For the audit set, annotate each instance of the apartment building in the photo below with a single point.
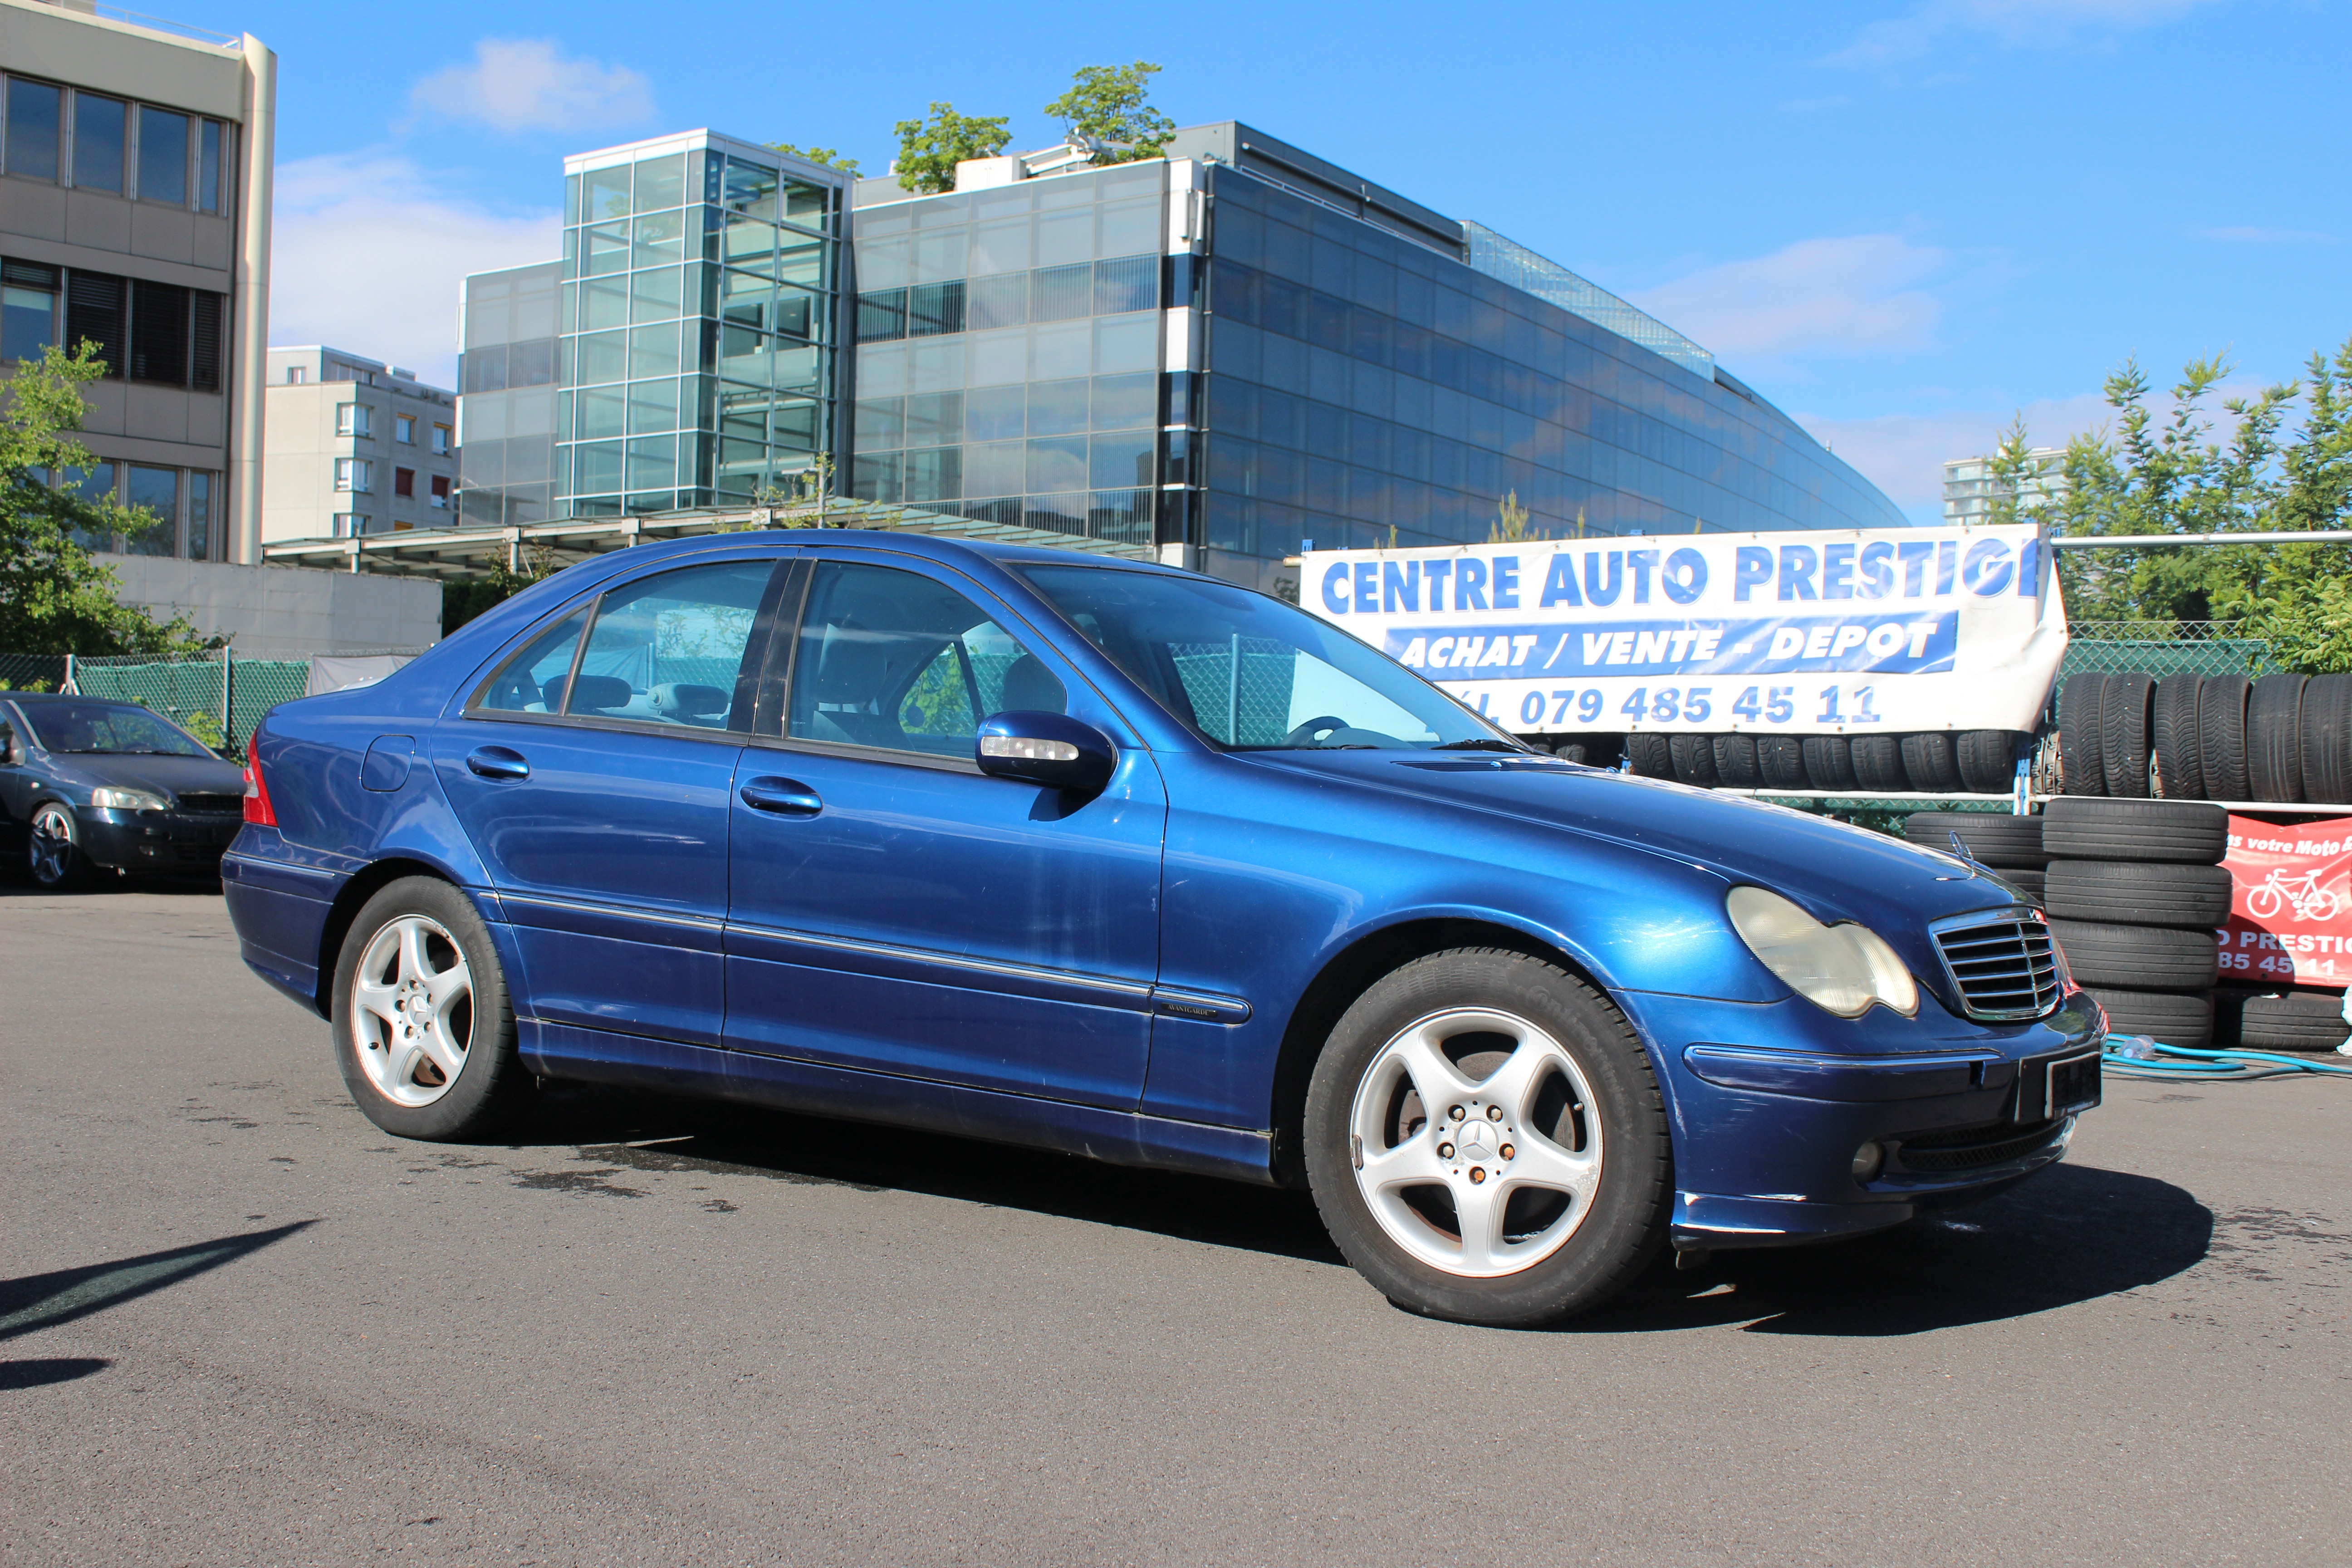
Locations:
(355, 447)
(134, 215)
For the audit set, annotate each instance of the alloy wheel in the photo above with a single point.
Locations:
(51, 845)
(413, 1010)
(1477, 1142)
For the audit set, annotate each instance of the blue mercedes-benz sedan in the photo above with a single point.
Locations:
(1117, 859)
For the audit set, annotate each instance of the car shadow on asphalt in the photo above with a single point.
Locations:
(637, 1129)
(2074, 1233)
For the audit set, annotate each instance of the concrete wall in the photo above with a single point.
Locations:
(274, 612)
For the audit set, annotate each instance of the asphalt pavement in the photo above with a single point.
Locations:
(243, 1326)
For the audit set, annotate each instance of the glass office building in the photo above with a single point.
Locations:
(696, 325)
(506, 395)
(1220, 354)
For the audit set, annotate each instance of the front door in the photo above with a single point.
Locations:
(893, 907)
(593, 773)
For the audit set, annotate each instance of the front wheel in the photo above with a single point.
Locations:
(1486, 1141)
(424, 1031)
(53, 844)
(2265, 902)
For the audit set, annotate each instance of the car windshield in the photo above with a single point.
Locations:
(108, 727)
(1255, 674)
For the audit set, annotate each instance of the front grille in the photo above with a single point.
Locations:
(212, 803)
(2003, 965)
(1973, 1148)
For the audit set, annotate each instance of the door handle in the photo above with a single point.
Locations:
(785, 797)
(497, 763)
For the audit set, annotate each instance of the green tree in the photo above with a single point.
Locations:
(928, 149)
(824, 155)
(461, 601)
(2173, 476)
(54, 598)
(1110, 107)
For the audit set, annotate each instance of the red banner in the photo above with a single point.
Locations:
(2291, 909)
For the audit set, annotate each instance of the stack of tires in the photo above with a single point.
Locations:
(2289, 1018)
(2135, 889)
(2284, 738)
(2010, 846)
(1941, 761)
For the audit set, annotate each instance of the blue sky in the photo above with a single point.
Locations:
(1901, 222)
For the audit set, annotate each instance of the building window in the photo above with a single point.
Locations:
(94, 304)
(159, 332)
(210, 187)
(29, 310)
(162, 156)
(200, 516)
(349, 524)
(205, 341)
(355, 474)
(441, 491)
(403, 429)
(98, 142)
(403, 483)
(155, 493)
(440, 440)
(35, 111)
(353, 419)
(296, 375)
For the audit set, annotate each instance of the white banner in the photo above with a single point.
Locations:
(1845, 632)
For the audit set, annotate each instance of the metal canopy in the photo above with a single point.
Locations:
(458, 554)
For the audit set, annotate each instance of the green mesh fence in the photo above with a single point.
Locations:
(32, 672)
(218, 699)
(2164, 647)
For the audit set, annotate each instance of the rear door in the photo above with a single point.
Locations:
(893, 907)
(592, 773)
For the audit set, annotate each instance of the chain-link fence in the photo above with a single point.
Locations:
(215, 696)
(2164, 647)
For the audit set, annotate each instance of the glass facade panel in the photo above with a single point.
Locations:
(34, 109)
(162, 156)
(100, 127)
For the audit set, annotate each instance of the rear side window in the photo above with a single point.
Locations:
(669, 650)
(532, 682)
(893, 660)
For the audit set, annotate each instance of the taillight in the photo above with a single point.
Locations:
(257, 808)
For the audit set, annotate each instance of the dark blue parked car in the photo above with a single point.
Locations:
(87, 783)
(1121, 860)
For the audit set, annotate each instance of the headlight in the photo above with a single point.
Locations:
(1842, 969)
(109, 798)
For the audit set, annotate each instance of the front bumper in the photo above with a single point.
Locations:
(182, 842)
(1770, 1105)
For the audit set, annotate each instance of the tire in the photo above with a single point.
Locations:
(1781, 760)
(388, 1068)
(1694, 759)
(2274, 738)
(2178, 770)
(1735, 763)
(2184, 897)
(2328, 739)
(2127, 715)
(1931, 762)
(1652, 758)
(2166, 1017)
(1363, 1094)
(2221, 736)
(2031, 886)
(2082, 703)
(2137, 958)
(1878, 763)
(1987, 761)
(2173, 832)
(1994, 837)
(53, 851)
(2291, 1019)
(1829, 762)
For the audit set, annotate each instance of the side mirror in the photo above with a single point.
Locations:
(1051, 748)
(8, 752)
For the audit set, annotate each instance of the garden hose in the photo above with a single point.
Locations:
(2137, 1056)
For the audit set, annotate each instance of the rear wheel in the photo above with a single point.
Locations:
(1486, 1141)
(423, 1031)
(54, 848)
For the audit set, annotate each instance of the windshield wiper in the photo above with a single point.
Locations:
(1480, 744)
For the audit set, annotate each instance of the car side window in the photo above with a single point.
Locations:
(532, 682)
(893, 660)
(668, 649)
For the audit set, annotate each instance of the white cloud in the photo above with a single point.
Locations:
(1860, 293)
(2014, 22)
(527, 84)
(367, 253)
(1904, 454)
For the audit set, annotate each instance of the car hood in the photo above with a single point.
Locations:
(170, 775)
(1836, 871)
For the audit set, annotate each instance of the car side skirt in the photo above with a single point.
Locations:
(1116, 1137)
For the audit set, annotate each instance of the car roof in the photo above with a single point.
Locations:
(36, 697)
